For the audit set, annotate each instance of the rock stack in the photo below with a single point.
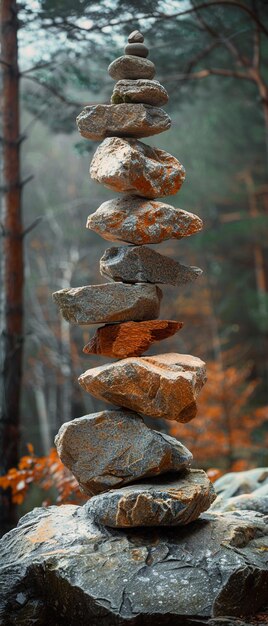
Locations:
(136, 475)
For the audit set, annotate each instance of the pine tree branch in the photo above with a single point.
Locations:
(54, 91)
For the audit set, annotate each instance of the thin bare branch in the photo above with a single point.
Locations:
(163, 16)
(201, 55)
(240, 59)
(256, 49)
(38, 66)
(210, 72)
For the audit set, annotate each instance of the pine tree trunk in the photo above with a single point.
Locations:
(11, 293)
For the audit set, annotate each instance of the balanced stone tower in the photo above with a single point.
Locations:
(135, 476)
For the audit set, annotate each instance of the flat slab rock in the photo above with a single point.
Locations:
(128, 165)
(111, 449)
(130, 338)
(110, 302)
(98, 121)
(165, 386)
(58, 567)
(130, 66)
(145, 91)
(135, 264)
(174, 501)
(139, 221)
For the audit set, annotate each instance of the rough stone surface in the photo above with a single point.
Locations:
(176, 501)
(128, 165)
(130, 338)
(246, 490)
(238, 483)
(58, 567)
(142, 264)
(164, 386)
(126, 120)
(145, 91)
(111, 449)
(110, 302)
(131, 67)
(138, 221)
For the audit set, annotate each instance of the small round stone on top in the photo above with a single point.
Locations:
(136, 46)
(135, 37)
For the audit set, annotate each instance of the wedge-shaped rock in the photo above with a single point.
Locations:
(173, 502)
(128, 165)
(126, 120)
(129, 66)
(145, 91)
(114, 448)
(164, 386)
(138, 221)
(142, 264)
(110, 302)
(130, 338)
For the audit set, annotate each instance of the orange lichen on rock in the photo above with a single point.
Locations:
(163, 386)
(139, 221)
(130, 338)
(128, 165)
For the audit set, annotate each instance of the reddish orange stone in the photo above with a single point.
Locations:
(130, 338)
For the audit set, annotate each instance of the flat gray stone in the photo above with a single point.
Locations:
(133, 264)
(174, 501)
(145, 91)
(57, 567)
(128, 165)
(131, 219)
(164, 386)
(111, 449)
(131, 67)
(110, 302)
(99, 121)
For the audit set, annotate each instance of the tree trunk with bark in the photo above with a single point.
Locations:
(11, 294)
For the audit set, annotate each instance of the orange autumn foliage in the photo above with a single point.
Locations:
(225, 433)
(47, 472)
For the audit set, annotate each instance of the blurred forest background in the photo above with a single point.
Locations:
(212, 57)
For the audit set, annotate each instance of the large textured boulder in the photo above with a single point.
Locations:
(131, 67)
(126, 120)
(128, 165)
(130, 338)
(138, 221)
(171, 502)
(114, 448)
(164, 386)
(110, 302)
(145, 91)
(57, 567)
(139, 264)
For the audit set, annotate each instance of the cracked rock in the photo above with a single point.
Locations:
(135, 264)
(128, 165)
(174, 502)
(138, 221)
(145, 91)
(134, 451)
(72, 571)
(110, 302)
(130, 338)
(126, 120)
(165, 386)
